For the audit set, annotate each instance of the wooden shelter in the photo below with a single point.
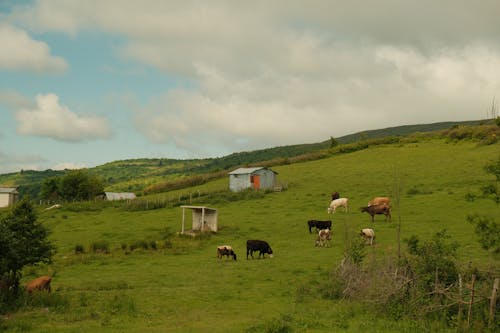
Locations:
(203, 219)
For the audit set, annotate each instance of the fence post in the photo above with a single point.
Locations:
(469, 315)
(459, 315)
(493, 302)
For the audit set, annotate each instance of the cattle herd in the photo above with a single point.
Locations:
(376, 206)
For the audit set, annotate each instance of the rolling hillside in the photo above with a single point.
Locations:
(136, 175)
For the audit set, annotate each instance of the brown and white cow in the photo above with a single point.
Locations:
(41, 283)
(225, 250)
(324, 237)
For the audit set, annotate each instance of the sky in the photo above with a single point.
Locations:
(83, 83)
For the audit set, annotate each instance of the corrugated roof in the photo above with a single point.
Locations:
(8, 190)
(119, 196)
(246, 171)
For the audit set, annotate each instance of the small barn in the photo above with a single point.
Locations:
(203, 219)
(8, 196)
(254, 178)
(113, 196)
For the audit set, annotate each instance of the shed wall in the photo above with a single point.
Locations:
(239, 182)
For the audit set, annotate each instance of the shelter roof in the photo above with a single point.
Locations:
(246, 171)
(199, 207)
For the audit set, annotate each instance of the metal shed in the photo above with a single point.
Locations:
(203, 218)
(8, 196)
(112, 196)
(255, 178)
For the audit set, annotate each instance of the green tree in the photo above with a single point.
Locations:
(80, 185)
(23, 242)
(50, 189)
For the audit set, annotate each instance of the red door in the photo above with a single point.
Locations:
(256, 182)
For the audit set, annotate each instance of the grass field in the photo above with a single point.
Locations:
(184, 288)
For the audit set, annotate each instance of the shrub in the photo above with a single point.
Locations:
(79, 249)
(100, 247)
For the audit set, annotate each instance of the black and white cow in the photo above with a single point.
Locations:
(319, 225)
(258, 245)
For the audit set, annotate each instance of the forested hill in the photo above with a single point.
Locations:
(138, 174)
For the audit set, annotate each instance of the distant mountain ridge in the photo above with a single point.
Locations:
(136, 174)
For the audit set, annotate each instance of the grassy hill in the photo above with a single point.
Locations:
(137, 175)
(178, 285)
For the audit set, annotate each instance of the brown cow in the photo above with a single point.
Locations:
(41, 283)
(378, 209)
(379, 201)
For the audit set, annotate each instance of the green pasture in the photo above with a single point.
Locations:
(184, 288)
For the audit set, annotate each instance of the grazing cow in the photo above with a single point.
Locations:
(324, 237)
(335, 195)
(377, 210)
(341, 202)
(41, 283)
(319, 224)
(368, 234)
(379, 201)
(225, 250)
(259, 245)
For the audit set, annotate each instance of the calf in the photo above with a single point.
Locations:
(341, 202)
(324, 237)
(225, 250)
(335, 195)
(378, 210)
(368, 234)
(259, 245)
(319, 225)
(41, 283)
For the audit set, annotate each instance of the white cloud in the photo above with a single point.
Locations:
(52, 120)
(21, 53)
(271, 73)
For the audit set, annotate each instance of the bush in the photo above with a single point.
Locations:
(100, 247)
(79, 249)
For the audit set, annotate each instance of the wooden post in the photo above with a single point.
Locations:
(493, 302)
(202, 219)
(469, 315)
(459, 315)
(183, 218)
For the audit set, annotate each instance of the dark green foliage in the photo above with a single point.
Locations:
(23, 242)
(436, 255)
(76, 185)
(79, 249)
(79, 185)
(488, 232)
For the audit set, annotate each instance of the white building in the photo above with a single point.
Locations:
(8, 196)
(255, 178)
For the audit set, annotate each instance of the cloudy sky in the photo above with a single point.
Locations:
(83, 83)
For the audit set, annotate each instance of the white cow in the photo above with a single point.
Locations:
(369, 234)
(340, 202)
(324, 237)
